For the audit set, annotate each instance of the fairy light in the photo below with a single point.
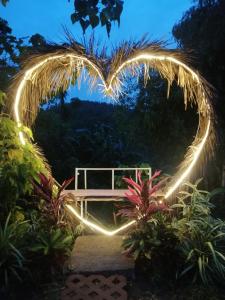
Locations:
(113, 87)
(97, 227)
(28, 75)
(196, 155)
(147, 56)
(108, 88)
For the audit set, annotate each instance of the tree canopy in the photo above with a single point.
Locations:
(95, 12)
(4, 2)
(10, 48)
(202, 30)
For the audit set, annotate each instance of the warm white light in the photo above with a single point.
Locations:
(146, 56)
(29, 74)
(196, 155)
(97, 227)
(21, 137)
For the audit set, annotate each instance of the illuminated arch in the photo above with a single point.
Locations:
(44, 74)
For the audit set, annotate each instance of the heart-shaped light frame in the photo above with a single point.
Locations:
(44, 74)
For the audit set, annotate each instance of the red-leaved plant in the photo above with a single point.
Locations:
(52, 195)
(143, 198)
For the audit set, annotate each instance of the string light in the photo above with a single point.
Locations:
(28, 75)
(196, 155)
(108, 87)
(97, 227)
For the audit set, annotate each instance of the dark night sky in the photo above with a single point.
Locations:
(155, 17)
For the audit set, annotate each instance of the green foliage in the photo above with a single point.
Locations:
(87, 136)
(142, 200)
(203, 248)
(53, 242)
(143, 109)
(4, 2)
(12, 261)
(19, 165)
(194, 203)
(95, 12)
(37, 41)
(10, 48)
(51, 247)
(207, 46)
(149, 240)
(152, 239)
(202, 29)
(2, 100)
(155, 249)
(51, 201)
(13, 50)
(129, 133)
(153, 107)
(31, 253)
(202, 3)
(188, 239)
(201, 236)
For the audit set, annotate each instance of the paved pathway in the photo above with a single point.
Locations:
(98, 253)
(96, 265)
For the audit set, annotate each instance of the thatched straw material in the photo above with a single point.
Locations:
(55, 70)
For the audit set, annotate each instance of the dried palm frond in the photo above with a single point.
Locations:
(70, 63)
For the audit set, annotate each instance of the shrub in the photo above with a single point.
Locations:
(187, 241)
(194, 203)
(156, 239)
(203, 249)
(53, 242)
(12, 260)
(152, 243)
(202, 237)
(143, 200)
(51, 198)
(50, 248)
(19, 164)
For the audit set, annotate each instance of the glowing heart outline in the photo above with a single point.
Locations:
(110, 86)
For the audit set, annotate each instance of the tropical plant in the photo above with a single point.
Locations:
(143, 200)
(192, 204)
(202, 243)
(51, 196)
(203, 249)
(2, 100)
(19, 164)
(53, 243)
(155, 248)
(12, 260)
(143, 241)
(153, 239)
